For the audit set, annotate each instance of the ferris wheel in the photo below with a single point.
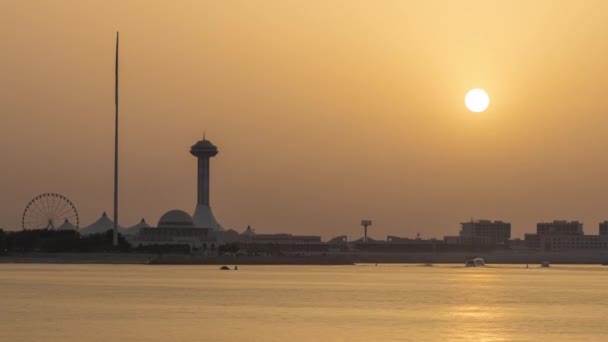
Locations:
(48, 211)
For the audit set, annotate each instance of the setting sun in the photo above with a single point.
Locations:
(477, 100)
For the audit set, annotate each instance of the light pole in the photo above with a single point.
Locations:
(365, 224)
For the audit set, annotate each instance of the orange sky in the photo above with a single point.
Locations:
(324, 112)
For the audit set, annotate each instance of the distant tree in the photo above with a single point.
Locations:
(3, 242)
(60, 241)
(103, 242)
(46, 240)
(41, 240)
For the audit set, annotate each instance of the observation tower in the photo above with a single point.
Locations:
(203, 217)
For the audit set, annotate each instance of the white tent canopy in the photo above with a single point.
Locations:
(66, 225)
(102, 225)
(133, 230)
(248, 233)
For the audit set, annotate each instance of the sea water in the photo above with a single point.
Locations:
(44, 302)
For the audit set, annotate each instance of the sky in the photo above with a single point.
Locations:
(324, 112)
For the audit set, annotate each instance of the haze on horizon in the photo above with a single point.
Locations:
(323, 113)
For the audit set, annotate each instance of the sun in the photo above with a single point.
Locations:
(477, 100)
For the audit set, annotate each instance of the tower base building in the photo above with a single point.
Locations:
(201, 231)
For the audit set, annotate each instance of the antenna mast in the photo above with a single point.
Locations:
(115, 235)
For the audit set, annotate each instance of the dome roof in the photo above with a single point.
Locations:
(203, 147)
(175, 218)
(204, 144)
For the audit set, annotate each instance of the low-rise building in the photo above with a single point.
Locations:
(604, 229)
(532, 241)
(286, 238)
(517, 244)
(275, 244)
(572, 242)
(250, 235)
(404, 240)
(451, 240)
(176, 227)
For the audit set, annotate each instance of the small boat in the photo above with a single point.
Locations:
(477, 262)
(545, 264)
(224, 268)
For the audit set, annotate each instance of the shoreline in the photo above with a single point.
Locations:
(502, 257)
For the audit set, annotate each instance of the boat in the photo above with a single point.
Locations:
(477, 262)
(224, 268)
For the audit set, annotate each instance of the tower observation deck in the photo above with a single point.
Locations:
(203, 217)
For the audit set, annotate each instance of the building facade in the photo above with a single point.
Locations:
(551, 243)
(565, 235)
(485, 232)
(560, 228)
(176, 227)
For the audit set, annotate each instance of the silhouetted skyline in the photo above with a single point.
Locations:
(325, 114)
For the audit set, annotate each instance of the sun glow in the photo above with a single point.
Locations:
(477, 100)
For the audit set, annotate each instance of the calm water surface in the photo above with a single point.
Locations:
(299, 303)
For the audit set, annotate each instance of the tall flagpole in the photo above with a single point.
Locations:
(115, 239)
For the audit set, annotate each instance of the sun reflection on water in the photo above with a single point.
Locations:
(393, 303)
